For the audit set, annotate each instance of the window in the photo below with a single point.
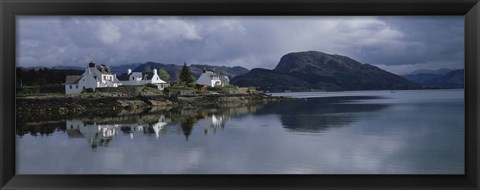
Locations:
(133, 78)
(70, 86)
(76, 86)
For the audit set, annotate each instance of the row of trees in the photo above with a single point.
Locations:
(43, 76)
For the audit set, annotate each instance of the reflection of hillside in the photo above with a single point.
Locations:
(318, 114)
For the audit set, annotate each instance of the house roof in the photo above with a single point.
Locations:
(73, 79)
(104, 69)
(125, 77)
(225, 78)
(149, 75)
(212, 74)
(136, 75)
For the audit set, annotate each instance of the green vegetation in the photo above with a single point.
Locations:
(164, 75)
(186, 76)
(152, 88)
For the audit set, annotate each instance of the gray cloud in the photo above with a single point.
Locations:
(398, 44)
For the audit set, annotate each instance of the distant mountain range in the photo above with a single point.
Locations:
(448, 79)
(174, 70)
(431, 71)
(313, 70)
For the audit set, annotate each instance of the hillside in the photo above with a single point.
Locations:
(452, 79)
(268, 80)
(421, 78)
(320, 71)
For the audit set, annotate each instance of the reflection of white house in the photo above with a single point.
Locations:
(159, 126)
(96, 135)
(93, 77)
(142, 78)
(212, 79)
(218, 121)
(102, 134)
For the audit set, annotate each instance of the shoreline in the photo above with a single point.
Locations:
(89, 105)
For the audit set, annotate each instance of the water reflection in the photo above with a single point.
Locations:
(319, 114)
(100, 131)
(304, 115)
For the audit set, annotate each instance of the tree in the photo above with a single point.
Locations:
(185, 75)
(163, 75)
(187, 126)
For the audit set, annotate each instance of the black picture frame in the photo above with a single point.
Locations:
(9, 9)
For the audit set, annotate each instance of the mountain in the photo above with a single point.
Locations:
(320, 71)
(61, 67)
(451, 79)
(421, 78)
(269, 80)
(123, 68)
(229, 71)
(441, 71)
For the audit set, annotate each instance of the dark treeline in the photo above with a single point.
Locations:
(43, 76)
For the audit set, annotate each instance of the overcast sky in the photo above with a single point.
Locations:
(396, 44)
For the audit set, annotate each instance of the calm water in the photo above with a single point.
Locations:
(365, 132)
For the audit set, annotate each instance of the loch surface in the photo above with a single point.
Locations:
(358, 132)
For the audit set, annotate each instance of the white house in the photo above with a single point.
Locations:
(212, 79)
(142, 78)
(93, 77)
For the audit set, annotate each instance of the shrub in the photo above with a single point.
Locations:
(230, 86)
(216, 88)
(89, 90)
(151, 85)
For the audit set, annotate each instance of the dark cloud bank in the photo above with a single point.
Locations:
(397, 44)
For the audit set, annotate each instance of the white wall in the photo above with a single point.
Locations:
(73, 89)
(205, 80)
(88, 81)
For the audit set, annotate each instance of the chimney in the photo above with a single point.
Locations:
(129, 71)
(204, 70)
(91, 64)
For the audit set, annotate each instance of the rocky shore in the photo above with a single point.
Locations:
(109, 104)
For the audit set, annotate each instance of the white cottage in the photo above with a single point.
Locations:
(93, 77)
(212, 79)
(142, 78)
